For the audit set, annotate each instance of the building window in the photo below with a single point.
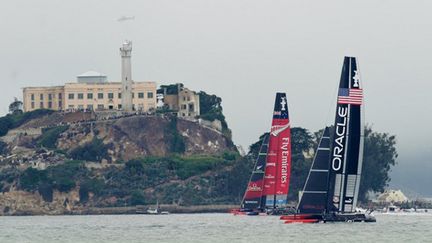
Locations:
(90, 96)
(110, 95)
(80, 107)
(100, 96)
(32, 96)
(49, 105)
(141, 95)
(100, 107)
(80, 96)
(41, 96)
(133, 95)
(150, 95)
(119, 95)
(60, 105)
(32, 105)
(49, 96)
(90, 107)
(71, 106)
(41, 105)
(191, 107)
(71, 96)
(60, 96)
(183, 107)
(119, 106)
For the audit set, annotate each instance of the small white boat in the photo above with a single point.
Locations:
(156, 210)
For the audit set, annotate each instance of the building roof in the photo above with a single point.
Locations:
(92, 74)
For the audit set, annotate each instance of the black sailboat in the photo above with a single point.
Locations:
(314, 195)
(331, 190)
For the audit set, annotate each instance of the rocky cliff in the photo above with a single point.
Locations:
(68, 162)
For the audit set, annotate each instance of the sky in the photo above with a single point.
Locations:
(243, 51)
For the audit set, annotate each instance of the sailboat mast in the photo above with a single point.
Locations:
(345, 160)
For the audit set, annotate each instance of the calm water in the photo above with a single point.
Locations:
(209, 228)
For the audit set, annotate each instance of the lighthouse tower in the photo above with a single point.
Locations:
(126, 93)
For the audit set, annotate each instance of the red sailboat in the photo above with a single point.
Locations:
(267, 190)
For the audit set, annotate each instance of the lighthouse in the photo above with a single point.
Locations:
(126, 93)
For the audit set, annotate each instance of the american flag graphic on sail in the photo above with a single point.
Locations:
(350, 96)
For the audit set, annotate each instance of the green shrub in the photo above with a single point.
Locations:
(135, 166)
(49, 136)
(32, 178)
(46, 191)
(90, 185)
(64, 184)
(137, 198)
(230, 156)
(96, 150)
(61, 177)
(3, 148)
(12, 121)
(175, 140)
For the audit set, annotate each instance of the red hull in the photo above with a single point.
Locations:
(298, 216)
(303, 221)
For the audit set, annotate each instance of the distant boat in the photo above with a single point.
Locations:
(156, 210)
(267, 190)
(331, 190)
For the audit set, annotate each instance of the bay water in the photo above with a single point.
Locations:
(226, 228)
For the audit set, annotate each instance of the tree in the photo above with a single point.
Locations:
(211, 109)
(379, 156)
(15, 107)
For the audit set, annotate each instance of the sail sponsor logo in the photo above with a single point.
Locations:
(340, 135)
(277, 129)
(285, 154)
(283, 103)
(254, 188)
(348, 200)
(356, 79)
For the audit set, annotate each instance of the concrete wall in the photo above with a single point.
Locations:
(43, 97)
(103, 96)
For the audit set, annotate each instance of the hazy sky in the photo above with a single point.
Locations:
(242, 50)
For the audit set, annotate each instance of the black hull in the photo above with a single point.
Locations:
(329, 218)
(348, 217)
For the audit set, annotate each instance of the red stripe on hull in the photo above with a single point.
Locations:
(303, 221)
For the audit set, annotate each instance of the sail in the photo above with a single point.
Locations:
(253, 198)
(314, 195)
(347, 145)
(278, 166)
